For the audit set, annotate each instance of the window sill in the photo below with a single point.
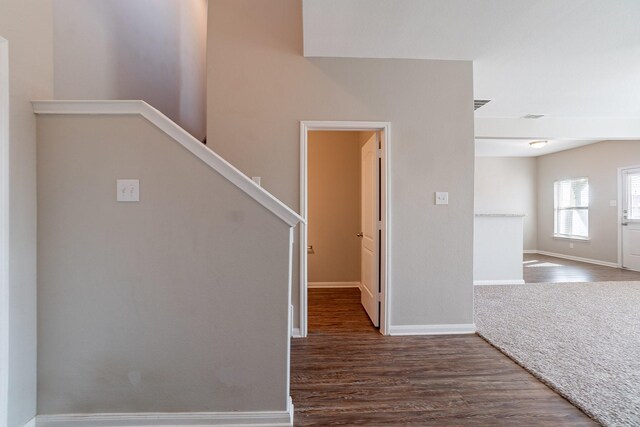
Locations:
(580, 239)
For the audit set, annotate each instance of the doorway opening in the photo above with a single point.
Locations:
(4, 229)
(629, 218)
(344, 197)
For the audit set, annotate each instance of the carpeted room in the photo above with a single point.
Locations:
(581, 339)
(575, 323)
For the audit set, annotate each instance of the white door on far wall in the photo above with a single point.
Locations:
(631, 219)
(370, 235)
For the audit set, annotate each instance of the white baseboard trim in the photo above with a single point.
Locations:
(530, 251)
(31, 423)
(469, 328)
(311, 285)
(187, 419)
(497, 282)
(295, 333)
(580, 259)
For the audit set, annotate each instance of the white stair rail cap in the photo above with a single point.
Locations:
(213, 160)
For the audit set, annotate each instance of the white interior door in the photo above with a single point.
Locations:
(631, 219)
(370, 235)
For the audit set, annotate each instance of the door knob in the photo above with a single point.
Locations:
(360, 234)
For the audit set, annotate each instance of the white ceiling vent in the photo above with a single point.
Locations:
(477, 103)
(533, 116)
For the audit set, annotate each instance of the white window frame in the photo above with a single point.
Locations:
(556, 210)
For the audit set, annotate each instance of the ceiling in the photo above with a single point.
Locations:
(520, 147)
(563, 59)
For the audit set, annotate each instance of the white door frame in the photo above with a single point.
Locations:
(385, 256)
(4, 231)
(621, 171)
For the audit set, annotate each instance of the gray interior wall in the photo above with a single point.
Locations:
(509, 185)
(599, 162)
(154, 50)
(27, 26)
(259, 89)
(178, 303)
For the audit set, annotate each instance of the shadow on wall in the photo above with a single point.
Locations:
(146, 52)
(154, 50)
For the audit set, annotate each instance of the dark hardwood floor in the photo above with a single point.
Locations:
(346, 373)
(546, 269)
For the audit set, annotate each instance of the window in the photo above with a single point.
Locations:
(633, 196)
(571, 208)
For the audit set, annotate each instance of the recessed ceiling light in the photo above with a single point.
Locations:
(538, 144)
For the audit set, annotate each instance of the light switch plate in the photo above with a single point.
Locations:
(442, 198)
(128, 190)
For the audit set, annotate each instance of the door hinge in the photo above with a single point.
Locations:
(379, 153)
(379, 296)
(379, 225)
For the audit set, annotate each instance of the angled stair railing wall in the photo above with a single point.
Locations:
(161, 121)
(174, 306)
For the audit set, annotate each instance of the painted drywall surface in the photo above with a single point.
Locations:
(4, 230)
(509, 185)
(259, 89)
(154, 50)
(599, 162)
(26, 24)
(334, 206)
(178, 303)
(193, 62)
(497, 243)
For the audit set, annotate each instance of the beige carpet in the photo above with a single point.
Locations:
(582, 339)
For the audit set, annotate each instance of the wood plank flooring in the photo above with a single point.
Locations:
(346, 373)
(546, 269)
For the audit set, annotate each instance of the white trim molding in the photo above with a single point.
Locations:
(31, 423)
(530, 251)
(619, 218)
(385, 253)
(4, 231)
(580, 259)
(312, 285)
(178, 419)
(295, 333)
(213, 160)
(454, 329)
(498, 282)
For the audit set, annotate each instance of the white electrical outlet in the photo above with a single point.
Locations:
(442, 198)
(571, 245)
(128, 190)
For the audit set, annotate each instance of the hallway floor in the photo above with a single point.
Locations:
(346, 373)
